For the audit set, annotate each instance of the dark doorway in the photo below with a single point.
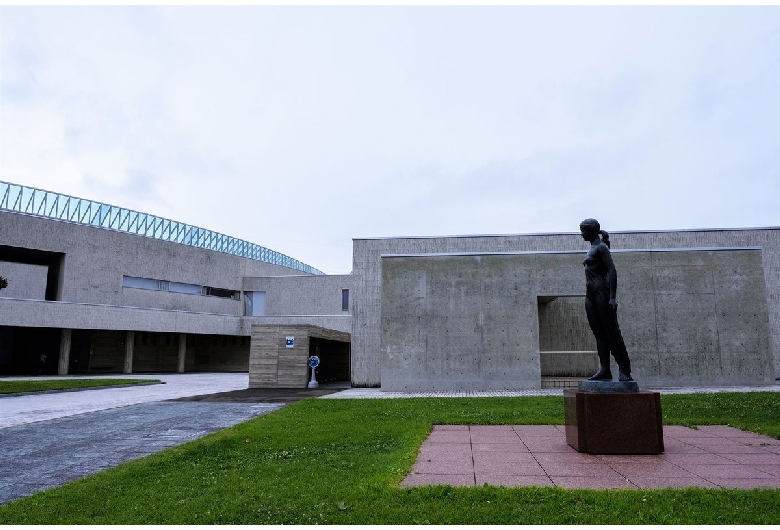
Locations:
(29, 351)
(334, 360)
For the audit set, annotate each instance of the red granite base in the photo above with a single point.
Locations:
(621, 423)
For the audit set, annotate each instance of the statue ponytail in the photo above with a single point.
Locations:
(605, 237)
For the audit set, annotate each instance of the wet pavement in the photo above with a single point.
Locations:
(51, 438)
(41, 455)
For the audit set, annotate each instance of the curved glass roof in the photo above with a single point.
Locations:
(42, 203)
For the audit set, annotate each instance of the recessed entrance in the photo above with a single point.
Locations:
(567, 348)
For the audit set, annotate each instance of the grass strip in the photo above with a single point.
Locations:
(340, 462)
(41, 385)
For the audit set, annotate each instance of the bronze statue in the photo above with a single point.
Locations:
(601, 303)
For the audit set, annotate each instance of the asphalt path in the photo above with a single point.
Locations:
(49, 439)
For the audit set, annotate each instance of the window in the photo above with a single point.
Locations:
(345, 299)
(254, 303)
(178, 287)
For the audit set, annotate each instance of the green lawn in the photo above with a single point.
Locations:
(39, 385)
(340, 462)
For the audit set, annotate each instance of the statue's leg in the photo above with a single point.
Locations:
(602, 342)
(616, 344)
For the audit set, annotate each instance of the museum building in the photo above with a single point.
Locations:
(94, 288)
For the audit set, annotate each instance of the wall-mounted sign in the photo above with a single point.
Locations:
(289, 342)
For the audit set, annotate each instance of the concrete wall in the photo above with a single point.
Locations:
(367, 272)
(302, 295)
(470, 322)
(97, 258)
(41, 314)
(24, 280)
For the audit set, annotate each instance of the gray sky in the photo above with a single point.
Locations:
(299, 128)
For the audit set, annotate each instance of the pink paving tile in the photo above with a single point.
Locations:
(631, 459)
(445, 460)
(491, 428)
(501, 448)
(673, 430)
(772, 469)
(437, 450)
(444, 467)
(754, 459)
(495, 456)
(495, 439)
(727, 449)
(706, 458)
(427, 479)
(537, 430)
(672, 482)
(569, 469)
(726, 471)
(681, 448)
(701, 441)
(547, 444)
(573, 456)
(447, 437)
(437, 428)
(508, 468)
(720, 430)
(649, 469)
(513, 480)
(611, 482)
(743, 483)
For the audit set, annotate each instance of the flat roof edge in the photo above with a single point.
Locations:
(532, 252)
(543, 234)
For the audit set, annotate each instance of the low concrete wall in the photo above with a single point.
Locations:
(471, 322)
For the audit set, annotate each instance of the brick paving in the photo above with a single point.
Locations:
(537, 455)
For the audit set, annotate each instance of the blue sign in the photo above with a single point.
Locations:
(314, 361)
(289, 342)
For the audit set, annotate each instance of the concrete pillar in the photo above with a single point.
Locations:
(65, 340)
(129, 347)
(182, 352)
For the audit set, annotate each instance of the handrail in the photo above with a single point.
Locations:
(42, 203)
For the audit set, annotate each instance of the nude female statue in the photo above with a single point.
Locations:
(601, 303)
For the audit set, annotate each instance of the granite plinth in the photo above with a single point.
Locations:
(613, 423)
(608, 386)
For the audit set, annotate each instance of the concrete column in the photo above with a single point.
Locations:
(129, 347)
(182, 352)
(62, 368)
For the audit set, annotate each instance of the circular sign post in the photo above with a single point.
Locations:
(314, 362)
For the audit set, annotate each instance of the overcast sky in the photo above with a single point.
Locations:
(299, 128)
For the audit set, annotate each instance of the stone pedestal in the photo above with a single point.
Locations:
(614, 423)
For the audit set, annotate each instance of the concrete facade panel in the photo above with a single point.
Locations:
(297, 295)
(466, 322)
(367, 269)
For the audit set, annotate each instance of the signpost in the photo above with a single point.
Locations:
(314, 362)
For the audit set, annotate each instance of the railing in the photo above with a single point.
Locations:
(33, 201)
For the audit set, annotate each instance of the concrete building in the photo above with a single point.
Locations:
(100, 289)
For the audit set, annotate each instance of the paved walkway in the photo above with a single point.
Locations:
(30, 408)
(49, 439)
(537, 455)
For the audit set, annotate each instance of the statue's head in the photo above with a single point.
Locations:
(589, 226)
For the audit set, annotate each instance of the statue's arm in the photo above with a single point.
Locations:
(606, 258)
